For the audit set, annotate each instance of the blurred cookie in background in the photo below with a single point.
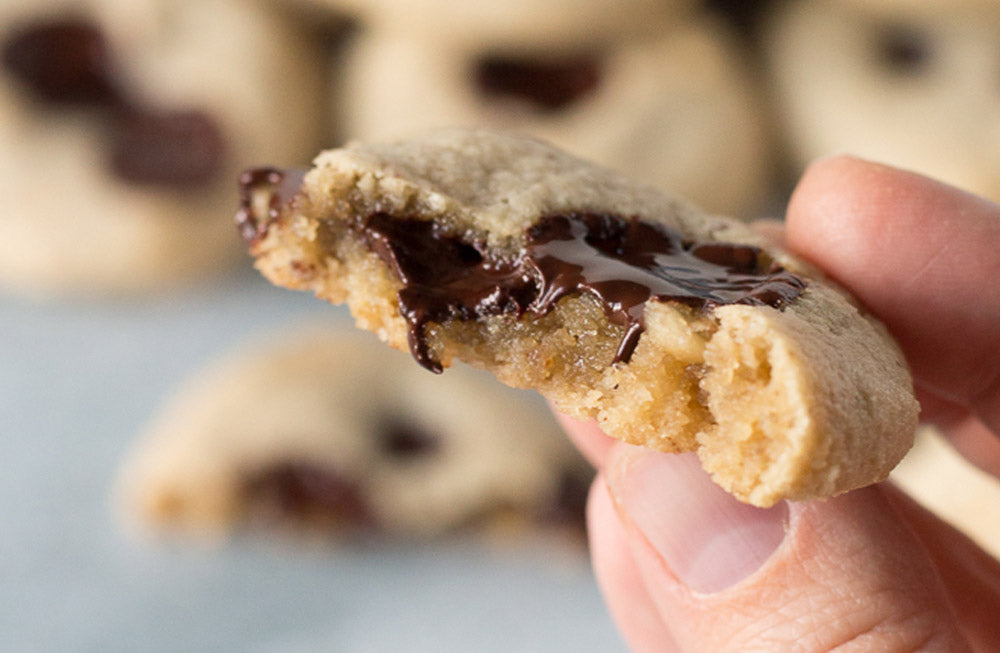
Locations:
(323, 430)
(124, 126)
(672, 106)
(910, 83)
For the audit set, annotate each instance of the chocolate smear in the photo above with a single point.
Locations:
(621, 262)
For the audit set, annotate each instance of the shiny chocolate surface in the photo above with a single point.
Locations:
(622, 262)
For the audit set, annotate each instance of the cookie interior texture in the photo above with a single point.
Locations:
(807, 400)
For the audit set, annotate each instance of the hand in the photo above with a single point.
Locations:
(685, 567)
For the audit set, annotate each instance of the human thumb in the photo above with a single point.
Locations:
(724, 576)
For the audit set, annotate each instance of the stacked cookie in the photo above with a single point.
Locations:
(907, 82)
(658, 90)
(124, 125)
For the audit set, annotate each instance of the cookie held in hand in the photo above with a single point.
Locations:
(674, 329)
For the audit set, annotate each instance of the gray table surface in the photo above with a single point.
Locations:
(78, 380)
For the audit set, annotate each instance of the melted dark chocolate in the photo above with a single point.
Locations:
(300, 489)
(444, 277)
(548, 85)
(68, 62)
(283, 186)
(621, 262)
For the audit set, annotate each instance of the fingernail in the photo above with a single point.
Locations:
(708, 539)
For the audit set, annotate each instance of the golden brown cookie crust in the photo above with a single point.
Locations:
(808, 401)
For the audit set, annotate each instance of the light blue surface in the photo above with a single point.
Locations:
(78, 380)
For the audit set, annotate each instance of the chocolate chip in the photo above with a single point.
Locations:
(302, 490)
(179, 148)
(62, 62)
(549, 85)
(403, 440)
(903, 50)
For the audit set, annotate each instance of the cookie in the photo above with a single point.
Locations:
(520, 24)
(909, 83)
(674, 329)
(320, 429)
(675, 109)
(123, 125)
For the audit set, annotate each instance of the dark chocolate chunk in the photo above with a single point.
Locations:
(283, 185)
(181, 148)
(62, 62)
(548, 85)
(404, 440)
(903, 50)
(444, 277)
(301, 490)
(622, 262)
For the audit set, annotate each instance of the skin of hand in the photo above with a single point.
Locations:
(685, 567)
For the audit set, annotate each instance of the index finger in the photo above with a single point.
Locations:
(922, 256)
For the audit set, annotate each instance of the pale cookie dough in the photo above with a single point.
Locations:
(907, 82)
(807, 400)
(677, 109)
(322, 429)
(123, 125)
